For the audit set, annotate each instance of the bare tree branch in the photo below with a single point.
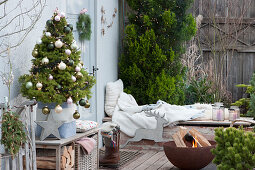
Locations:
(17, 21)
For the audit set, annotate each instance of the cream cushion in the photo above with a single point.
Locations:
(113, 90)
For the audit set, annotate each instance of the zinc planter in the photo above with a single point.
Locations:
(68, 129)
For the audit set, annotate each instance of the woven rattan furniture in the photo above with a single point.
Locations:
(84, 161)
(58, 144)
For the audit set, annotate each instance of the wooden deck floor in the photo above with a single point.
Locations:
(152, 160)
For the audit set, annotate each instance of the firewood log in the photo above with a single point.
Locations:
(183, 131)
(201, 139)
(178, 140)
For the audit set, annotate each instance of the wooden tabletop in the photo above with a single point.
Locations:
(243, 121)
(54, 141)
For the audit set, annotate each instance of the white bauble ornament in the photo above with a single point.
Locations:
(39, 41)
(58, 109)
(77, 69)
(29, 85)
(58, 43)
(79, 65)
(48, 34)
(45, 60)
(39, 86)
(68, 52)
(69, 100)
(62, 14)
(74, 46)
(62, 66)
(57, 18)
(50, 77)
(74, 79)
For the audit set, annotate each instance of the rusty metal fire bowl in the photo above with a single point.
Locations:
(188, 157)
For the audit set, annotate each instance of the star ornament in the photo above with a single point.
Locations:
(49, 127)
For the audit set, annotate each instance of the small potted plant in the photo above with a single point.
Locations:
(235, 149)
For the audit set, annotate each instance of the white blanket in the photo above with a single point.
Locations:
(129, 116)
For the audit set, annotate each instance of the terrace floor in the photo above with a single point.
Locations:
(150, 160)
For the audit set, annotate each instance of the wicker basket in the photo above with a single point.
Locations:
(84, 161)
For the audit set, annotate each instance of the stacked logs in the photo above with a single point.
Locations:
(46, 158)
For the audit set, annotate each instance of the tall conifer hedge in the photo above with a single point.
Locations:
(150, 65)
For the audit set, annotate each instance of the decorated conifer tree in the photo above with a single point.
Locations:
(57, 74)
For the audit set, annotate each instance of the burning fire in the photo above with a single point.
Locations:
(194, 142)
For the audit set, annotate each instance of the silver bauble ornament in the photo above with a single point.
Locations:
(62, 14)
(50, 77)
(39, 86)
(62, 66)
(77, 69)
(57, 18)
(68, 52)
(48, 34)
(79, 65)
(45, 60)
(39, 41)
(69, 100)
(58, 109)
(29, 85)
(58, 43)
(74, 46)
(79, 75)
(74, 79)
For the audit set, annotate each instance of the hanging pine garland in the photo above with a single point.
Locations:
(13, 135)
(83, 26)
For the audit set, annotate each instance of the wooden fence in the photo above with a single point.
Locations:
(227, 35)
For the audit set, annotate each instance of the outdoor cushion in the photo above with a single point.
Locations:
(85, 125)
(113, 90)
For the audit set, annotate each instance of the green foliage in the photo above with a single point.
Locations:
(235, 149)
(251, 111)
(150, 65)
(244, 103)
(61, 86)
(83, 26)
(198, 91)
(13, 135)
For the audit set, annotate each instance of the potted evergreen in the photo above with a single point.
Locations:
(57, 78)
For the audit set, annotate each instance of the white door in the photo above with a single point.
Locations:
(88, 50)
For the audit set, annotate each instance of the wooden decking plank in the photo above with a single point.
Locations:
(159, 163)
(139, 160)
(168, 165)
(150, 161)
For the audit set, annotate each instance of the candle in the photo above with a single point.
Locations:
(218, 113)
(233, 115)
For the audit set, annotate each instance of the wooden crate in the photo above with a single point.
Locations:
(46, 158)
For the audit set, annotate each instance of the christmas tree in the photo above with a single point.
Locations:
(150, 65)
(57, 74)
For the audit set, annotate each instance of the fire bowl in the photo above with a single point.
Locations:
(189, 158)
